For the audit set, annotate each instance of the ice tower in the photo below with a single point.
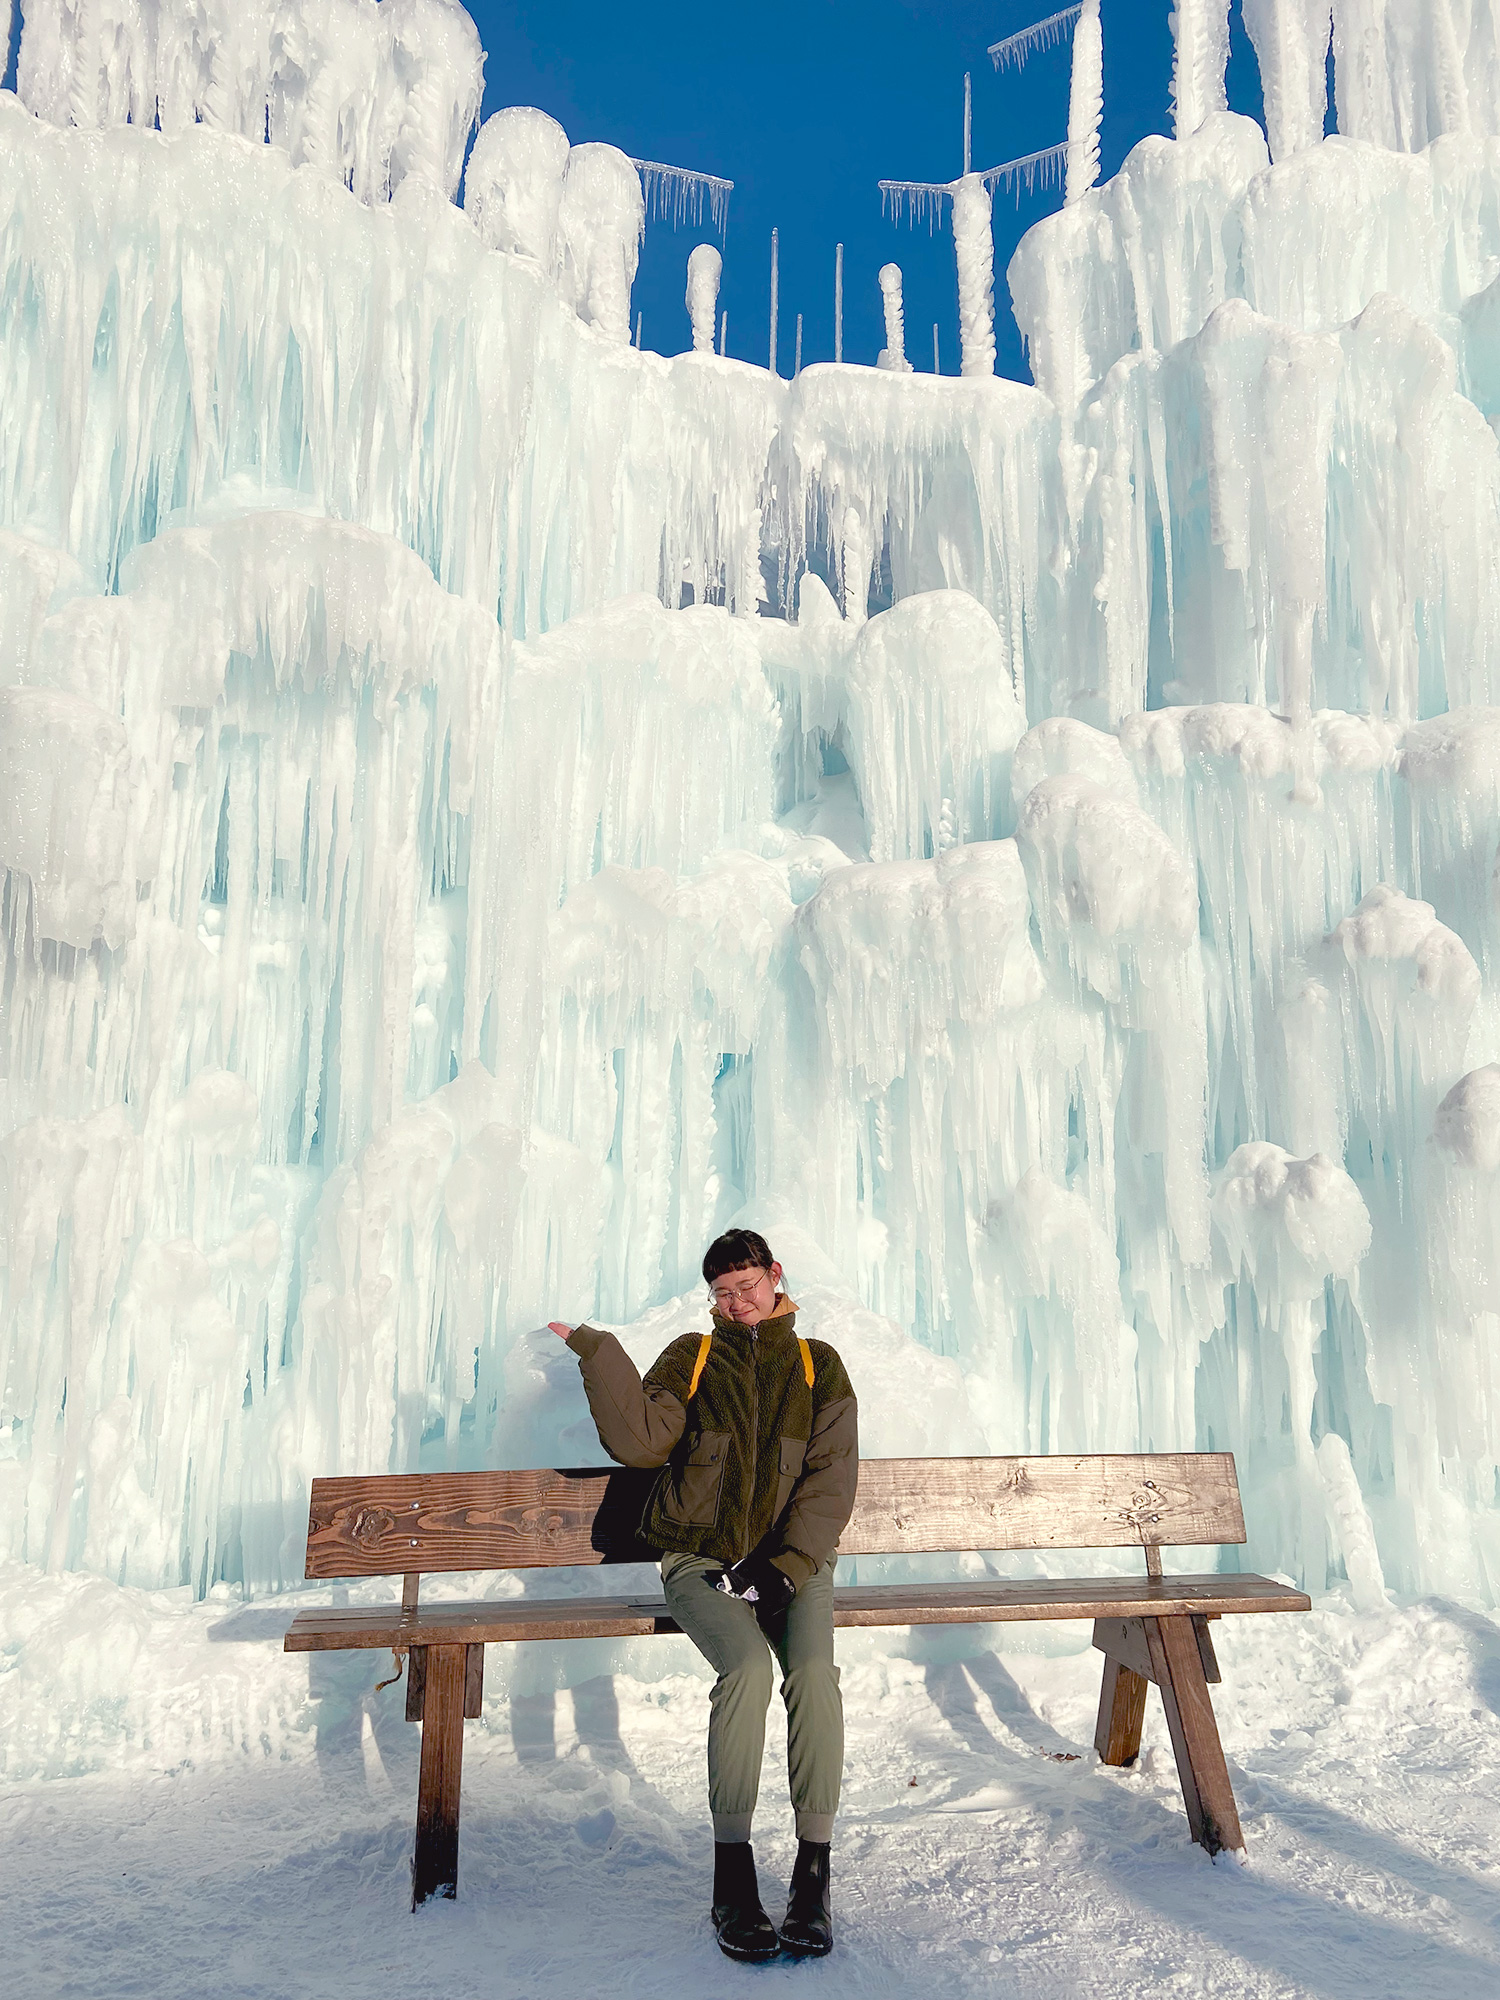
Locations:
(466, 836)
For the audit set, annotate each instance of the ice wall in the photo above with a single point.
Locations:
(482, 807)
(373, 89)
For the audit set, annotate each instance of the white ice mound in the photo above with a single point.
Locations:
(513, 182)
(933, 716)
(1062, 746)
(898, 950)
(1467, 1125)
(1108, 884)
(1390, 934)
(1289, 1223)
(601, 219)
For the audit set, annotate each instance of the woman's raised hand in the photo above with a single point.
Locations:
(556, 1326)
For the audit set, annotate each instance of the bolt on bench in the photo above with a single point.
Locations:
(1150, 1629)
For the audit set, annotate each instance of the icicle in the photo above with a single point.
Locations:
(1085, 103)
(1033, 170)
(797, 354)
(678, 193)
(1040, 35)
(922, 200)
(855, 565)
(1200, 30)
(893, 355)
(705, 267)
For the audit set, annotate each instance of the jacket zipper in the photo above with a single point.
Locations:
(754, 1432)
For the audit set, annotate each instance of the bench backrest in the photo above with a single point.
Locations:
(406, 1524)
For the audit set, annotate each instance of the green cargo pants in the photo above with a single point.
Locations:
(726, 1633)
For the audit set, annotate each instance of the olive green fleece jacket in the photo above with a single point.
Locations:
(754, 1460)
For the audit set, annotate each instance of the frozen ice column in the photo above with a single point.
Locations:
(513, 187)
(893, 354)
(1291, 44)
(1085, 103)
(974, 246)
(704, 268)
(1201, 31)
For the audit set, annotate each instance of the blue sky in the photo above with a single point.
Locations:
(805, 105)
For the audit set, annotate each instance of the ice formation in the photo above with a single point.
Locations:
(1085, 103)
(893, 354)
(482, 806)
(705, 266)
(375, 89)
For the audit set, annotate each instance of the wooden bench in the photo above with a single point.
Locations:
(1152, 1628)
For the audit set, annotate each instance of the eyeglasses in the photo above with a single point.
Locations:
(725, 1296)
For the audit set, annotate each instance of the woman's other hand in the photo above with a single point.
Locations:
(556, 1326)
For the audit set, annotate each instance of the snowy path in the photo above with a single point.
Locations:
(226, 1832)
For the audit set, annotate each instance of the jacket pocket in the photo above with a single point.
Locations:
(695, 1487)
(793, 1455)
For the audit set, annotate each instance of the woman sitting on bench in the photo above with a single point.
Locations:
(755, 1428)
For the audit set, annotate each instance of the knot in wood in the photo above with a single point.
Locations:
(1142, 1511)
(371, 1524)
(543, 1524)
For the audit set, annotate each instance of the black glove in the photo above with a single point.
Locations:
(759, 1582)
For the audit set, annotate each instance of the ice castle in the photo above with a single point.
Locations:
(483, 806)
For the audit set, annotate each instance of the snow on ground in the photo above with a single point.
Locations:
(186, 1812)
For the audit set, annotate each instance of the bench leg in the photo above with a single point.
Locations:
(1177, 1665)
(434, 1869)
(1122, 1710)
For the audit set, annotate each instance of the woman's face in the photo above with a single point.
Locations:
(746, 1296)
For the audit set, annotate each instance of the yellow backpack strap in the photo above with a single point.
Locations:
(807, 1365)
(705, 1341)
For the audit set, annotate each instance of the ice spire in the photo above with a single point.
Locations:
(1200, 29)
(1085, 103)
(893, 355)
(705, 266)
(775, 296)
(1291, 45)
(974, 247)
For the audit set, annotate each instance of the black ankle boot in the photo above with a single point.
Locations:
(808, 1926)
(744, 1930)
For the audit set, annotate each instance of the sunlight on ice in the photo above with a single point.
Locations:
(482, 807)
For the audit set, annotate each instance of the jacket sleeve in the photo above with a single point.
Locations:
(823, 1498)
(638, 1422)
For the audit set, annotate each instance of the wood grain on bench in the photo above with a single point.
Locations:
(425, 1523)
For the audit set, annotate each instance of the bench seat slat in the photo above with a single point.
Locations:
(410, 1523)
(487, 1621)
